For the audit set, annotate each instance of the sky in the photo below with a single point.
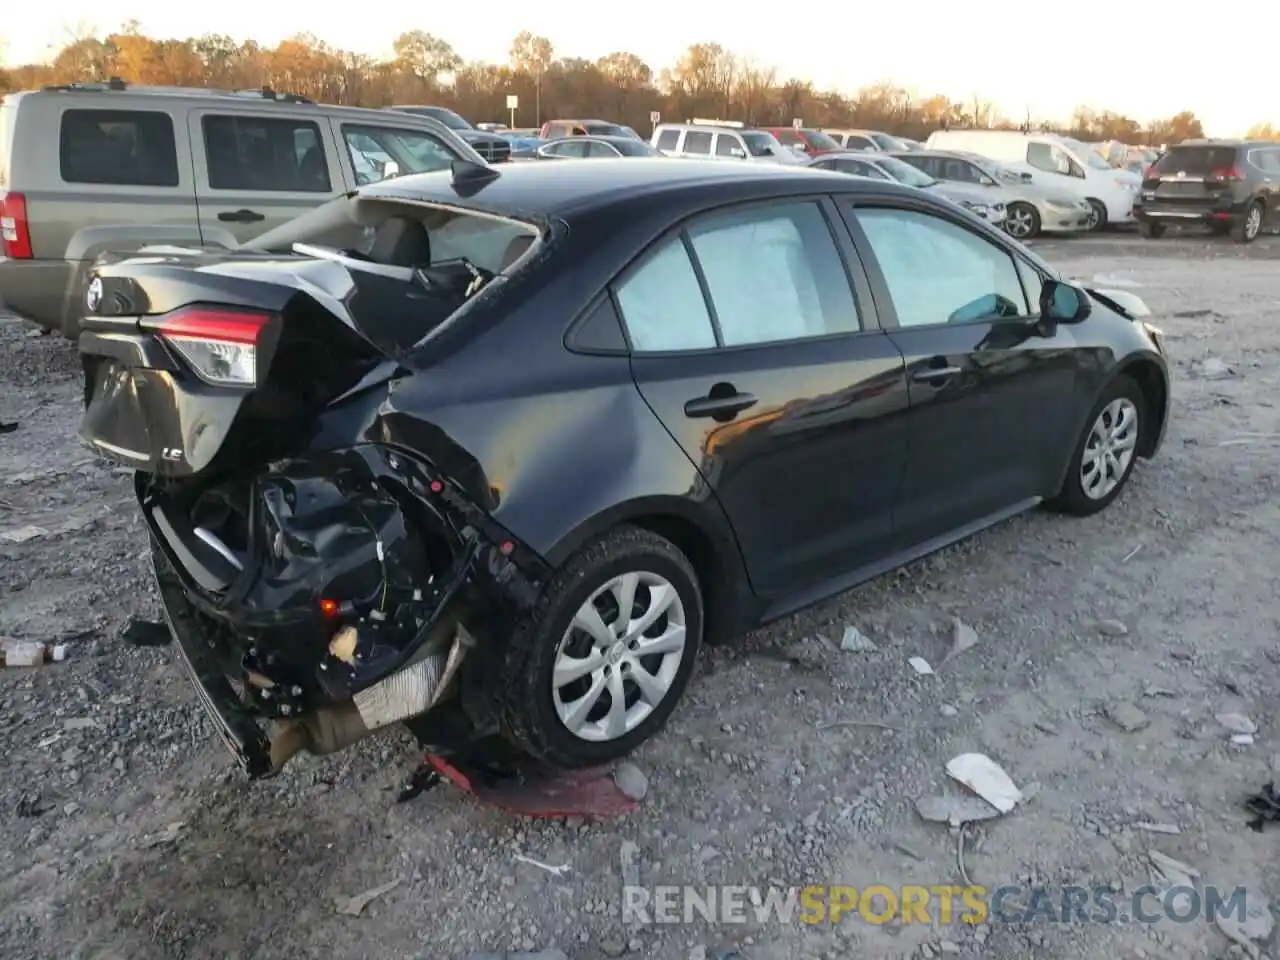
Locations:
(1044, 57)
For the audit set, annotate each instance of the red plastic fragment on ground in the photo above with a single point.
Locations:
(536, 791)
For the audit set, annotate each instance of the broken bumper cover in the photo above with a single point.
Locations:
(331, 586)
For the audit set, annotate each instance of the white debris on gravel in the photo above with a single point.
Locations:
(987, 779)
(855, 641)
(921, 666)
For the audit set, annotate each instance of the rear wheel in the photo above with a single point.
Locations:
(1248, 227)
(1022, 221)
(1097, 215)
(1106, 451)
(602, 661)
(1153, 231)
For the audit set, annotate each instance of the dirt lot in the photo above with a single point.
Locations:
(150, 846)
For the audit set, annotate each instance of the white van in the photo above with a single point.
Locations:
(1054, 161)
(721, 140)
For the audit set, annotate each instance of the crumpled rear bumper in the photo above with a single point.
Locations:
(331, 596)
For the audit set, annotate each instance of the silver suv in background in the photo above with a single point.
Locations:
(91, 168)
(1030, 209)
(721, 140)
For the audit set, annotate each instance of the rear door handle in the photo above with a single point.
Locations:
(241, 216)
(932, 374)
(721, 407)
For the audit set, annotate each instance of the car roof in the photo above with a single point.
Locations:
(100, 96)
(605, 138)
(850, 155)
(545, 190)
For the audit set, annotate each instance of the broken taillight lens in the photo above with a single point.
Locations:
(221, 346)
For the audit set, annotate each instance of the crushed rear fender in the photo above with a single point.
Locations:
(333, 579)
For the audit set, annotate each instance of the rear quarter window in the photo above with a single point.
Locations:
(134, 148)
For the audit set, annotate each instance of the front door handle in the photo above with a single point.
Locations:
(241, 216)
(933, 374)
(719, 406)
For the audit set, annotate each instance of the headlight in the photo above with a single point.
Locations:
(979, 208)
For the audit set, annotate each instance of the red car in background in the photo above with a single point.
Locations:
(812, 142)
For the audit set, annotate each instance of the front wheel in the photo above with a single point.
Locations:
(1022, 221)
(1097, 215)
(1105, 453)
(599, 665)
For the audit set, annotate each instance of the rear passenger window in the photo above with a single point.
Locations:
(668, 139)
(695, 141)
(267, 154)
(774, 273)
(128, 148)
(662, 304)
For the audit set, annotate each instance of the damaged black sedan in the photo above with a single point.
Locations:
(493, 452)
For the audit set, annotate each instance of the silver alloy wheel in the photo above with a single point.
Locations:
(1018, 222)
(1253, 222)
(1095, 216)
(619, 657)
(1109, 450)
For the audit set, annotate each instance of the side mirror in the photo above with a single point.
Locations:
(1063, 302)
(390, 169)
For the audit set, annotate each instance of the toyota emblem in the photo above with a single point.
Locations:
(93, 297)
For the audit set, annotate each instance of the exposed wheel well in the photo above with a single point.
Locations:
(1147, 375)
(722, 617)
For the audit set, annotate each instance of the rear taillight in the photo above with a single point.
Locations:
(220, 345)
(15, 233)
(1226, 174)
(1151, 173)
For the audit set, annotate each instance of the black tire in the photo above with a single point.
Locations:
(1247, 228)
(1072, 498)
(1033, 219)
(1100, 215)
(1152, 231)
(530, 712)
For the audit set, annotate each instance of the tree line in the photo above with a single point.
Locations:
(707, 81)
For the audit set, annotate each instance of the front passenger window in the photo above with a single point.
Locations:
(969, 278)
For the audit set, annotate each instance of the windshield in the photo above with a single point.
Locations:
(605, 129)
(636, 148)
(904, 172)
(450, 119)
(886, 142)
(820, 140)
(628, 132)
(759, 144)
(994, 170)
(1091, 156)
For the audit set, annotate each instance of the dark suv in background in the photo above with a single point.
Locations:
(492, 147)
(1230, 186)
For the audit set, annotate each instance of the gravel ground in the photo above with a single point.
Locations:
(148, 845)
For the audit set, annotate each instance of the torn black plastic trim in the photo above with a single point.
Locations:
(367, 538)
